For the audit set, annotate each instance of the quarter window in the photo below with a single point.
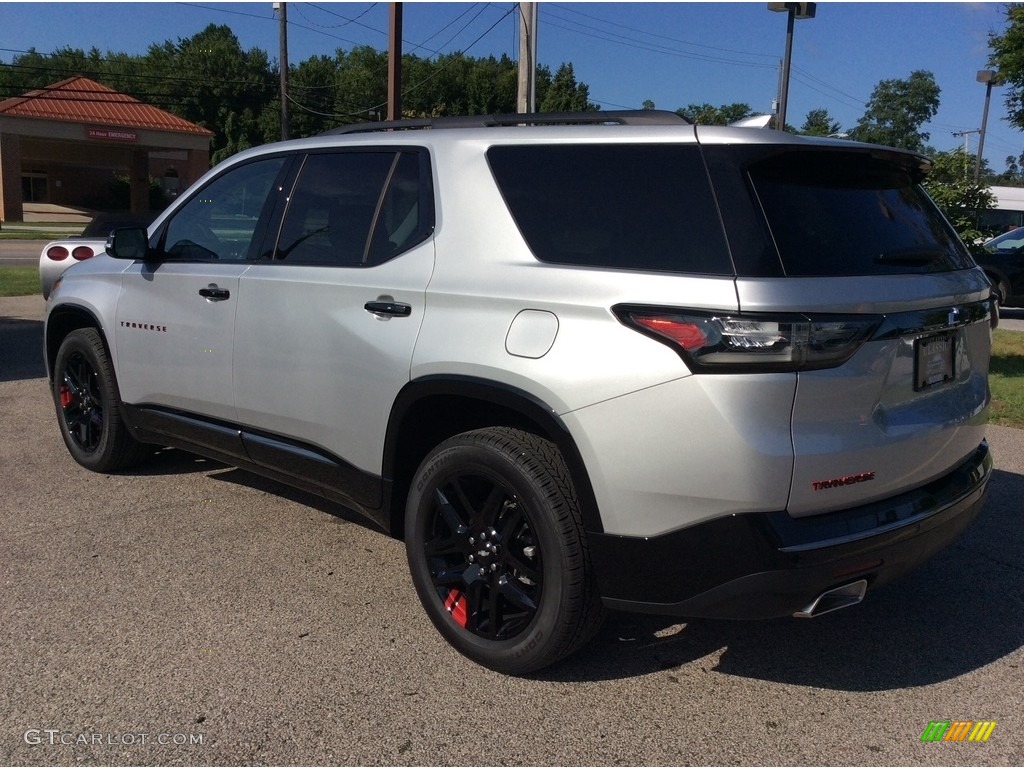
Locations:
(640, 207)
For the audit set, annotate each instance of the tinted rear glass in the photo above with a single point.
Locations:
(642, 207)
(852, 213)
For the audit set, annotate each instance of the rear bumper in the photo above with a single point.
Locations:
(766, 565)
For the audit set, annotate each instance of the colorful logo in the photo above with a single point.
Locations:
(958, 730)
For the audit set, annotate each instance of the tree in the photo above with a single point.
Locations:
(1007, 56)
(1013, 176)
(951, 185)
(565, 94)
(706, 114)
(819, 123)
(897, 110)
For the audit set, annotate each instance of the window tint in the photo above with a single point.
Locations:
(219, 222)
(644, 207)
(852, 213)
(352, 208)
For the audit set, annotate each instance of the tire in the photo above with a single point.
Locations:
(1002, 290)
(89, 407)
(497, 550)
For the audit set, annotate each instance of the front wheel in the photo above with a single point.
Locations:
(497, 550)
(89, 407)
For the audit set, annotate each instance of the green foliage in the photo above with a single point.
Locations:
(1007, 56)
(706, 114)
(1013, 176)
(819, 123)
(897, 110)
(210, 80)
(951, 185)
(565, 94)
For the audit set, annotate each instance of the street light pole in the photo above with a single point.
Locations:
(794, 11)
(988, 77)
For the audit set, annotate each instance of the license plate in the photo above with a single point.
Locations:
(934, 356)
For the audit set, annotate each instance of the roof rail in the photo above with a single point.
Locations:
(613, 117)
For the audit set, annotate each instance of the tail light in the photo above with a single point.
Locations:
(82, 252)
(57, 253)
(739, 343)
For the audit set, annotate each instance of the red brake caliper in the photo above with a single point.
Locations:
(65, 396)
(455, 604)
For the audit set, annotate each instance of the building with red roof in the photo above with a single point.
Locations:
(66, 143)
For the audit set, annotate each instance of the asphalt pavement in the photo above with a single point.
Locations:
(20, 253)
(190, 613)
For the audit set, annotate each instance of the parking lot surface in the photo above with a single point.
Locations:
(190, 613)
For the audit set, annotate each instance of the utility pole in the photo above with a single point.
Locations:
(527, 91)
(989, 78)
(285, 130)
(967, 148)
(395, 62)
(793, 12)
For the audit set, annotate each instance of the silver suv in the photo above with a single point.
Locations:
(577, 362)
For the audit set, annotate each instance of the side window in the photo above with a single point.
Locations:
(620, 206)
(218, 223)
(352, 209)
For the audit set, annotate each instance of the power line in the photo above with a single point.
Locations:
(655, 48)
(570, 9)
(413, 87)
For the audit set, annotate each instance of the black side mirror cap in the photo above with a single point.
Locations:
(130, 243)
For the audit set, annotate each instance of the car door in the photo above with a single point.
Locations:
(325, 330)
(176, 310)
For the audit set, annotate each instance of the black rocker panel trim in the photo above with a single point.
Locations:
(288, 461)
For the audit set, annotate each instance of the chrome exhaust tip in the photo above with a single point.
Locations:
(834, 599)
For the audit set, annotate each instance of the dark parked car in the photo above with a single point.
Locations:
(1003, 262)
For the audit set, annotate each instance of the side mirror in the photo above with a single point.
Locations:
(129, 243)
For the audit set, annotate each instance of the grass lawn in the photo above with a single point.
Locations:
(1006, 378)
(19, 281)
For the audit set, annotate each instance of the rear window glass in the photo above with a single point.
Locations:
(849, 213)
(640, 207)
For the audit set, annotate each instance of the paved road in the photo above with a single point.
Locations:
(20, 253)
(189, 601)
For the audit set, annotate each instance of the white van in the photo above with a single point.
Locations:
(1006, 214)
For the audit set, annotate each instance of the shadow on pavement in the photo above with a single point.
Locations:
(21, 349)
(962, 610)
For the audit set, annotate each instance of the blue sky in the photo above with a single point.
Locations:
(671, 53)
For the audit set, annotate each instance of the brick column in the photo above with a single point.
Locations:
(139, 175)
(10, 178)
(197, 164)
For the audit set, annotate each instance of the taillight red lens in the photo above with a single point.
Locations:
(57, 253)
(735, 343)
(82, 252)
(687, 335)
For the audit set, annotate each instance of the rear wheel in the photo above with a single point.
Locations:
(89, 407)
(497, 550)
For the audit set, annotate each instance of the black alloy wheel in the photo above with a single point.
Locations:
(485, 564)
(497, 551)
(82, 402)
(89, 406)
